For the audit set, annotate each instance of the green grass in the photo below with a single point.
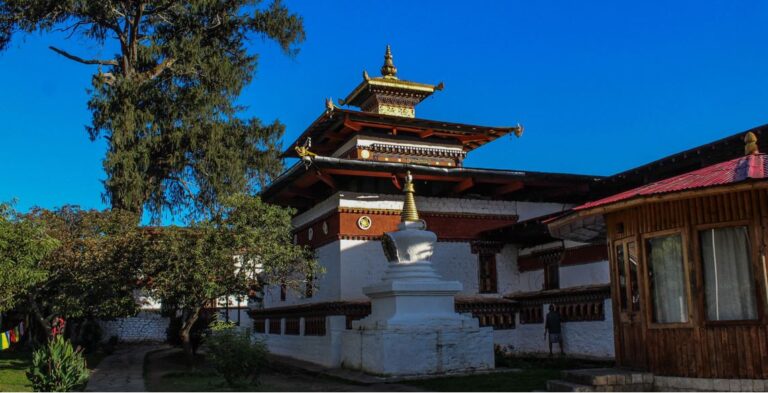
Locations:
(533, 374)
(14, 366)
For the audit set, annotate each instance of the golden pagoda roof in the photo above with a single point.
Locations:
(389, 83)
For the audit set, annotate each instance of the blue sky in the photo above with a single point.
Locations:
(600, 86)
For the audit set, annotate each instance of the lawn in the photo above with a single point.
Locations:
(14, 365)
(532, 375)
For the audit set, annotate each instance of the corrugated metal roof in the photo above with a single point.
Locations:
(740, 169)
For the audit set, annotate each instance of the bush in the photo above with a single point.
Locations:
(90, 335)
(57, 367)
(237, 358)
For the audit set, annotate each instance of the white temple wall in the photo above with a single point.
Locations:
(532, 280)
(322, 350)
(583, 338)
(328, 284)
(585, 274)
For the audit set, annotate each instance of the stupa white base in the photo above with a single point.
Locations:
(418, 351)
(414, 330)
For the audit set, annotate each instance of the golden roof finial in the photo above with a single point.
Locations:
(388, 70)
(409, 205)
(750, 144)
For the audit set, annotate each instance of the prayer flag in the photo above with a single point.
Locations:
(4, 344)
(12, 336)
(21, 328)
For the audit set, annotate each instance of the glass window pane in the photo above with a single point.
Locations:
(634, 285)
(667, 279)
(622, 276)
(728, 282)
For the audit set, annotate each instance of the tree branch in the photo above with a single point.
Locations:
(80, 59)
(135, 32)
(158, 69)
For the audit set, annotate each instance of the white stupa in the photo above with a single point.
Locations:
(413, 328)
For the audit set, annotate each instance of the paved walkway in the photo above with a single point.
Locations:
(122, 371)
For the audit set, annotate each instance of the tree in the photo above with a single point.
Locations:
(191, 267)
(23, 246)
(164, 101)
(92, 273)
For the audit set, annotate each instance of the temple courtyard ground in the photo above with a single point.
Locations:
(162, 368)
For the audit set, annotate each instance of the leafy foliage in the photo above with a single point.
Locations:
(249, 241)
(234, 355)
(23, 246)
(165, 101)
(57, 367)
(92, 273)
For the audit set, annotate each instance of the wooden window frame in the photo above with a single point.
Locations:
(755, 262)
(493, 273)
(612, 260)
(646, 297)
(547, 277)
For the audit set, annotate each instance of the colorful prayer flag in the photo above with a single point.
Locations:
(4, 342)
(12, 336)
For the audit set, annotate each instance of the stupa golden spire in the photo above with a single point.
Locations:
(409, 213)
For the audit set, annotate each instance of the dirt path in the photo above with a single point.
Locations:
(121, 371)
(165, 363)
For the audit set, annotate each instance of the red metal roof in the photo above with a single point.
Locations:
(753, 166)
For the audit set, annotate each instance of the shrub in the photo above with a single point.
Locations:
(237, 358)
(90, 335)
(57, 367)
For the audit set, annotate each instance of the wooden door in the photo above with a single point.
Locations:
(629, 329)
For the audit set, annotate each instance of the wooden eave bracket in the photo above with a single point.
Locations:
(509, 188)
(463, 185)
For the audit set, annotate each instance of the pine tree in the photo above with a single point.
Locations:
(165, 101)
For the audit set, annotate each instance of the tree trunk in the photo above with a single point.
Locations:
(41, 319)
(186, 328)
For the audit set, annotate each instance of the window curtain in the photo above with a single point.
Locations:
(729, 286)
(667, 279)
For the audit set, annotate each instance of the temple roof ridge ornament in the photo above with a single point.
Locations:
(750, 144)
(388, 70)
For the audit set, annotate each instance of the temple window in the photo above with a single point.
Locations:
(552, 275)
(487, 272)
(666, 279)
(729, 286)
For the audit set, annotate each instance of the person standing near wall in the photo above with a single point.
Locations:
(554, 328)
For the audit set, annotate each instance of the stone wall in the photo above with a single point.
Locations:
(148, 325)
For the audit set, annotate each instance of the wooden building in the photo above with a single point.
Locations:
(688, 269)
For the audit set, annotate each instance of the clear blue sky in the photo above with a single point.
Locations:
(601, 86)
